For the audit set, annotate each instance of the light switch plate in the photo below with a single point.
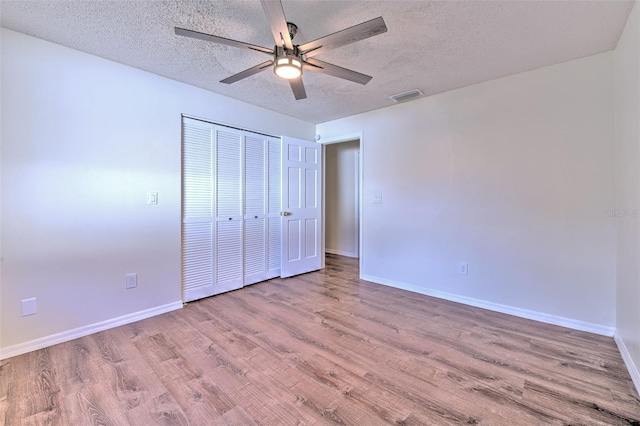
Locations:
(463, 268)
(152, 198)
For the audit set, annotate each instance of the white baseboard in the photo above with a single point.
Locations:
(65, 336)
(505, 309)
(341, 253)
(628, 361)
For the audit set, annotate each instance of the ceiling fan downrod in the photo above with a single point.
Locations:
(293, 29)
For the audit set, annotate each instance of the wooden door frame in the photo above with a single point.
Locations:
(330, 141)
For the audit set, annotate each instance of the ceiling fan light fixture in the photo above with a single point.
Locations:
(287, 65)
(288, 68)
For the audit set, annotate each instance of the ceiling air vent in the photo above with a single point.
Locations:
(405, 96)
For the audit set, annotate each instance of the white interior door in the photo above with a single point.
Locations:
(301, 206)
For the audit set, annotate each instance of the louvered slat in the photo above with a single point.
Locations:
(197, 170)
(228, 173)
(273, 248)
(228, 251)
(197, 255)
(254, 247)
(274, 175)
(254, 175)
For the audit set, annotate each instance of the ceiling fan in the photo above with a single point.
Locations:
(290, 59)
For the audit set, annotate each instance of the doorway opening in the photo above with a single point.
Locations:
(342, 195)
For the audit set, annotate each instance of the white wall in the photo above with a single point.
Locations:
(341, 207)
(513, 176)
(627, 107)
(83, 141)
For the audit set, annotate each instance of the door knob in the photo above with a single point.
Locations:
(287, 214)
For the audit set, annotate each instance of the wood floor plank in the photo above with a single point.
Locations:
(384, 405)
(236, 416)
(7, 376)
(582, 411)
(323, 348)
(87, 407)
(83, 379)
(34, 396)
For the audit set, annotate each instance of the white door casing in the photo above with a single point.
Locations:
(301, 206)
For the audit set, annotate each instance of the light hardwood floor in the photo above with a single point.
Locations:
(323, 348)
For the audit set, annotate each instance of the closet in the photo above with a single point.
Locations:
(230, 208)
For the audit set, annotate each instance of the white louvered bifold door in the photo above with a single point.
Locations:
(197, 209)
(261, 208)
(255, 198)
(228, 200)
(231, 208)
(274, 235)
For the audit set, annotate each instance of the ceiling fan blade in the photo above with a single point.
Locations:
(298, 88)
(336, 71)
(277, 22)
(347, 36)
(222, 40)
(247, 73)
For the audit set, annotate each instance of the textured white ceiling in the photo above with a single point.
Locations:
(433, 46)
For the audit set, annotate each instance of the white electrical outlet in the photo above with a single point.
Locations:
(463, 268)
(132, 280)
(29, 307)
(377, 199)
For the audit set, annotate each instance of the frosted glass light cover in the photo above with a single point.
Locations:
(288, 68)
